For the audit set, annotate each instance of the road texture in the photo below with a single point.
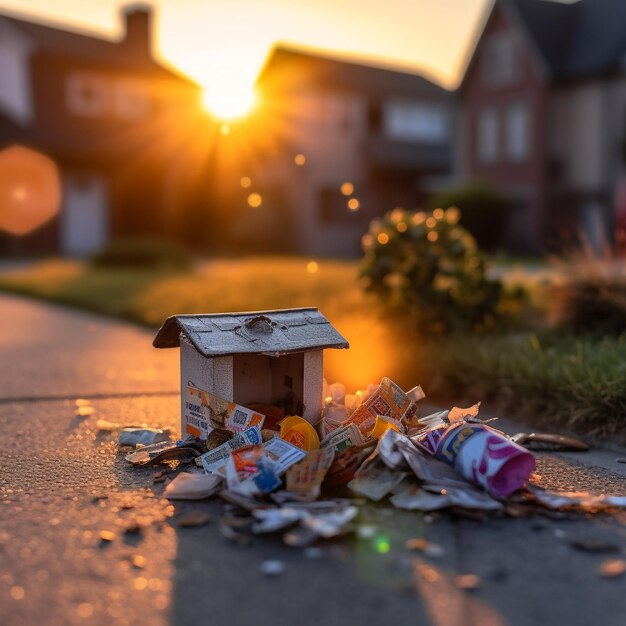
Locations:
(62, 483)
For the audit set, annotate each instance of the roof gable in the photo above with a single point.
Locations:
(260, 332)
(88, 47)
(286, 65)
(578, 39)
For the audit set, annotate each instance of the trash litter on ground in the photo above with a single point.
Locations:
(296, 456)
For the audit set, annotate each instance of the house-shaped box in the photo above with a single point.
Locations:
(256, 357)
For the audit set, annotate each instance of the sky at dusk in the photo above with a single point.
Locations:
(222, 43)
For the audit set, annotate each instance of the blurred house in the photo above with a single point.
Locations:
(346, 143)
(116, 122)
(542, 112)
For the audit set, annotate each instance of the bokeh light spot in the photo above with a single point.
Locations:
(299, 159)
(354, 204)
(30, 190)
(438, 214)
(347, 189)
(312, 267)
(245, 182)
(255, 200)
(382, 238)
(382, 545)
(432, 236)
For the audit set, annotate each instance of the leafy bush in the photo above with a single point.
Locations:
(143, 253)
(590, 293)
(430, 267)
(484, 212)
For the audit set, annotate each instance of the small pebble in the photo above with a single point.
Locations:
(107, 536)
(272, 568)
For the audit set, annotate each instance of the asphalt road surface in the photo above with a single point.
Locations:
(62, 484)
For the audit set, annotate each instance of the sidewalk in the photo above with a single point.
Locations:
(62, 483)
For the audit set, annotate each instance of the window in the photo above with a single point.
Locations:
(409, 121)
(517, 132)
(132, 99)
(88, 94)
(499, 63)
(487, 140)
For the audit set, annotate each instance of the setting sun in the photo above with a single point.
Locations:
(229, 100)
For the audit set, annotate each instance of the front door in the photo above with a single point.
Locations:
(84, 217)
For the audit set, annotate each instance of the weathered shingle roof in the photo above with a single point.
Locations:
(259, 332)
(577, 40)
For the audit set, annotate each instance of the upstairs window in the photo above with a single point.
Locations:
(411, 121)
(499, 61)
(132, 99)
(487, 141)
(517, 132)
(87, 94)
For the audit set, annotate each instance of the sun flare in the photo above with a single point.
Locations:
(228, 100)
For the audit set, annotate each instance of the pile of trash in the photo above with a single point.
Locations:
(307, 481)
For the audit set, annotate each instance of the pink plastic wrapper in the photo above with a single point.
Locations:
(486, 458)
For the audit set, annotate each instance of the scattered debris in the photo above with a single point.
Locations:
(191, 519)
(272, 568)
(106, 426)
(106, 536)
(546, 441)
(132, 436)
(187, 486)
(612, 568)
(467, 582)
(427, 548)
(591, 544)
(283, 475)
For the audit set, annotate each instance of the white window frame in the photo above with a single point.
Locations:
(488, 135)
(518, 132)
(422, 122)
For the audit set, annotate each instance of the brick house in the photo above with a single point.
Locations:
(542, 112)
(348, 142)
(111, 118)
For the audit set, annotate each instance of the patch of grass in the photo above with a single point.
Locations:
(555, 380)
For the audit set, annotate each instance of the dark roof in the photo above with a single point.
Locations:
(259, 332)
(89, 47)
(286, 66)
(580, 39)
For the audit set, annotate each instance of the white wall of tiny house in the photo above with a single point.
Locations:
(254, 378)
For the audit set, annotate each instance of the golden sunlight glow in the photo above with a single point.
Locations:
(312, 267)
(230, 99)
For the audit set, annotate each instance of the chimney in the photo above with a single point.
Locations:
(138, 22)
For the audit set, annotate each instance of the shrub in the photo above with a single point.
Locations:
(484, 212)
(428, 266)
(143, 253)
(589, 295)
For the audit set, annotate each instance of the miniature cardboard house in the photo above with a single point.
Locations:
(252, 357)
